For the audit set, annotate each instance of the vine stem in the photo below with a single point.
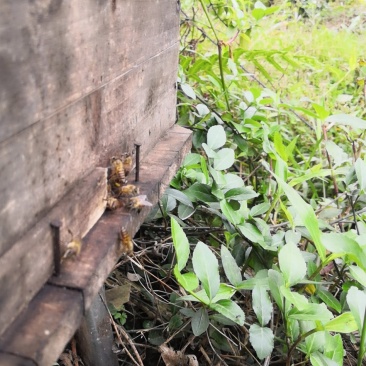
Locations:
(219, 47)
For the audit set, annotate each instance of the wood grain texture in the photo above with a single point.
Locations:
(12, 360)
(53, 53)
(39, 164)
(26, 267)
(40, 334)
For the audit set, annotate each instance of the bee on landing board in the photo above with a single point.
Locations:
(72, 249)
(127, 162)
(138, 203)
(126, 242)
(127, 190)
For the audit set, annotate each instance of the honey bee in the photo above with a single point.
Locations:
(112, 203)
(117, 171)
(72, 249)
(127, 190)
(138, 203)
(127, 162)
(126, 242)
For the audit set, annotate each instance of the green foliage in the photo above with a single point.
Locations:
(279, 167)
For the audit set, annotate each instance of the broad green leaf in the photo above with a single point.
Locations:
(334, 348)
(231, 269)
(347, 120)
(358, 274)
(204, 169)
(259, 209)
(275, 282)
(251, 232)
(188, 281)
(225, 292)
(340, 243)
(241, 194)
(200, 322)
(185, 211)
(181, 244)
(262, 305)
(206, 267)
(292, 264)
(336, 152)
(175, 322)
(216, 137)
(279, 146)
(224, 159)
(191, 159)
(306, 213)
(232, 216)
(202, 110)
(298, 300)
(252, 282)
(321, 111)
(329, 300)
(315, 312)
(209, 152)
(198, 296)
(292, 237)
(360, 168)
(318, 359)
(188, 91)
(314, 342)
(262, 340)
(307, 176)
(356, 300)
(200, 192)
(230, 309)
(179, 196)
(344, 323)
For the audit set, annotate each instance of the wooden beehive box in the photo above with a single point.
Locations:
(80, 81)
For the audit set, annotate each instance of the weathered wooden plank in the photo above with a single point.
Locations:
(12, 360)
(29, 263)
(55, 52)
(101, 249)
(39, 164)
(40, 333)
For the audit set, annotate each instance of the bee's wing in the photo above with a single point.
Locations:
(143, 200)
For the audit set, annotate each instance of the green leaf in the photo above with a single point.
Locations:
(279, 146)
(262, 305)
(188, 91)
(181, 244)
(360, 168)
(340, 243)
(206, 267)
(318, 359)
(179, 196)
(251, 232)
(200, 192)
(188, 281)
(232, 216)
(321, 111)
(241, 194)
(185, 211)
(225, 292)
(329, 300)
(231, 269)
(259, 209)
(306, 213)
(230, 310)
(344, 323)
(252, 282)
(191, 159)
(275, 282)
(356, 300)
(202, 110)
(347, 120)
(262, 340)
(334, 348)
(358, 274)
(200, 322)
(224, 159)
(292, 264)
(315, 312)
(298, 300)
(216, 137)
